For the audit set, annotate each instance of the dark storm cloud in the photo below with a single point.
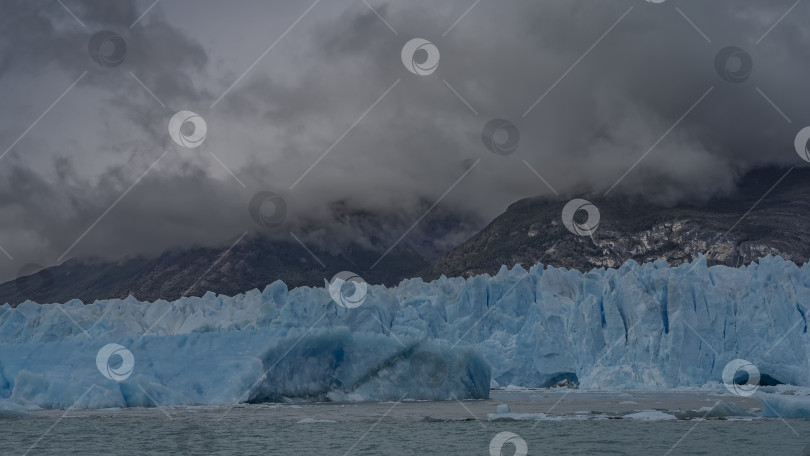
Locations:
(417, 141)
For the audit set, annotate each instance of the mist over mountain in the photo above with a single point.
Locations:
(331, 115)
(767, 215)
(300, 255)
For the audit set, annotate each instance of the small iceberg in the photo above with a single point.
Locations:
(650, 415)
(313, 420)
(784, 406)
(504, 413)
(720, 410)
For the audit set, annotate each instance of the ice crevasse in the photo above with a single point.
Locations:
(638, 326)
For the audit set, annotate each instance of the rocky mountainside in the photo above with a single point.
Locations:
(355, 243)
(722, 229)
(252, 263)
(732, 230)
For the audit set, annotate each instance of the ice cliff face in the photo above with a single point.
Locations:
(634, 327)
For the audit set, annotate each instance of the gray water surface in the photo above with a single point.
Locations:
(575, 423)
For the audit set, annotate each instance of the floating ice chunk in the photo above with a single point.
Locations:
(511, 387)
(312, 420)
(518, 416)
(650, 415)
(784, 406)
(720, 409)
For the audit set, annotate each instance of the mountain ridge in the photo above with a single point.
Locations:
(758, 219)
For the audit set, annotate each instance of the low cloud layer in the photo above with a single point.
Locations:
(99, 174)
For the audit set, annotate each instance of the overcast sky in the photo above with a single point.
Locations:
(591, 86)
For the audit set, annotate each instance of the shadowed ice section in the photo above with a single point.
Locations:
(341, 366)
(639, 326)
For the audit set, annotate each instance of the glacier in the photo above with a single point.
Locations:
(638, 326)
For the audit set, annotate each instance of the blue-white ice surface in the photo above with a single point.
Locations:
(641, 326)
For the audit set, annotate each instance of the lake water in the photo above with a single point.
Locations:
(575, 422)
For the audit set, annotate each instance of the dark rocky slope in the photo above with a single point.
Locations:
(531, 231)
